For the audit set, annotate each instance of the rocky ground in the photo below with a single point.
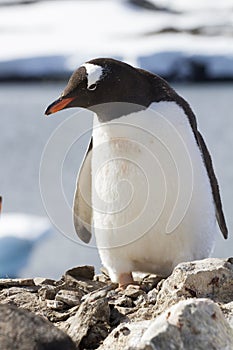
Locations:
(191, 309)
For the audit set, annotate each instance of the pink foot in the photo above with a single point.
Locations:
(125, 279)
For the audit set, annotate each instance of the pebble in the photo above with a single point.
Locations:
(69, 297)
(55, 304)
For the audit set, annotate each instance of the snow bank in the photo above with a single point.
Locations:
(19, 233)
(185, 40)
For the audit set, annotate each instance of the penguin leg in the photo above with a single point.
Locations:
(125, 279)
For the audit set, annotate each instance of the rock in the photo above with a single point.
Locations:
(116, 317)
(23, 330)
(132, 291)
(47, 292)
(208, 278)
(151, 281)
(24, 299)
(7, 282)
(40, 281)
(102, 278)
(16, 290)
(55, 305)
(96, 314)
(90, 324)
(100, 293)
(152, 296)
(123, 301)
(81, 277)
(227, 310)
(193, 323)
(126, 336)
(69, 297)
(81, 272)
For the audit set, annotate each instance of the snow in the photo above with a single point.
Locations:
(19, 233)
(54, 37)
(23, 226)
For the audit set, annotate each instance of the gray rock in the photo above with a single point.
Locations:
(23, 299)
(98, 315)
(23, 330)
(191, 324)
(123, 301)
(126, 336)
(40, 281)
(227, 310)
(100, 293)
(47, 292)
(69, 297)
(8, 282)
(82, 278)
(16, 290)
(151, 281)
(152, 296)
(90, 324)
(132, 291)
(208, 278)
(81, 272)
(55, 304)
(102, 278)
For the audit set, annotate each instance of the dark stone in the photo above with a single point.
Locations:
(81, 272)
(16, 282)
(89, 326)
(47, 292)
(21, 329)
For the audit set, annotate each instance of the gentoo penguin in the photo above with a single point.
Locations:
(147, 186)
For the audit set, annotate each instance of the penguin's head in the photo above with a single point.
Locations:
(101, 81)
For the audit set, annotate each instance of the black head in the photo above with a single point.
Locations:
(105, 80)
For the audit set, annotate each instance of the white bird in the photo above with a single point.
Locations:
(146, 187)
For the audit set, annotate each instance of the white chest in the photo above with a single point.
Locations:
(147, 174)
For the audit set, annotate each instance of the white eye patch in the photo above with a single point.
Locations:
(94, 74)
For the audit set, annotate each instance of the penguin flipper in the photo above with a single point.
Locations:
(214, 186)
(82, 208)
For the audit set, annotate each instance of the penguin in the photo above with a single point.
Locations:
(147, 186)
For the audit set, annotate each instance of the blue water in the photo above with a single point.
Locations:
(25, 132)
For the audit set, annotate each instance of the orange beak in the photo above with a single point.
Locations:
(58, 105)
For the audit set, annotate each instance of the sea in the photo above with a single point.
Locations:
(32, 154)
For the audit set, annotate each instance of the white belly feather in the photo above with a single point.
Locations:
(152, 201)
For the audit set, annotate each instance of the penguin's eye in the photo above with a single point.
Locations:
(92, 87)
